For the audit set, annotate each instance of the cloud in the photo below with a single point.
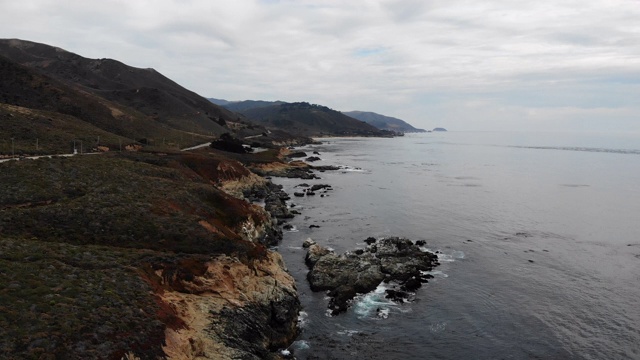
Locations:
(390, 56)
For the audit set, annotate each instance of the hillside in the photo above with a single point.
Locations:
(239, 106)
(383, 122)
(105, 98)
(311, 120)
(121, 254)
(144, 90)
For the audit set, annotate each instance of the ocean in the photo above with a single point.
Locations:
(539, 235)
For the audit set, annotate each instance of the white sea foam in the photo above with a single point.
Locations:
(437, 327)
(451, 257)
(345, 168)
(300, 345)
(303, 319)
(383, 313)
(373, 303)
(285, 352)
(434, 273)
(348, 332)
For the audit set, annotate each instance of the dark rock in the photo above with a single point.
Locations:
(297, 154)
(302, 185)
(312, 159)
(412, 284)
(259, 329)
(310, 193)
(287, 226)
(361, 271)
(313, 226)
(325, 167)
(316, 153)
(421, 243)
(300, 173)
(370, 240)
(319, 187)
(397, 295)
(298, 194)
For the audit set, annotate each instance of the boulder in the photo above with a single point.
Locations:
(317, 187)
(314, 253)
(308, 242)
(390, 259)
(297, 154)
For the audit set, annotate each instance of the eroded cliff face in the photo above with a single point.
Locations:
(225, 308)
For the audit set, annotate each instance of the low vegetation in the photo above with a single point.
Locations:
(81, 237)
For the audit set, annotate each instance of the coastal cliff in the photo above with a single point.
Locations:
(140, 256)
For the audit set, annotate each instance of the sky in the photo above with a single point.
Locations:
(547, 65)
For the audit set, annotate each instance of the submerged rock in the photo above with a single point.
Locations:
(390, 259)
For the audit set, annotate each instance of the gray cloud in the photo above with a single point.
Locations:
(496, 64)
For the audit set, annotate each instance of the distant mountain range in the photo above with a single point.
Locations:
(313, 118)
(383, 122)
(302, 118)
(239, 106)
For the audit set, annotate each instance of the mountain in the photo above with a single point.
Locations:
(133, 105)
(383, 122)
(439, 129)
(144, 90)
(220, 102)
(305, 119)
(238, 106)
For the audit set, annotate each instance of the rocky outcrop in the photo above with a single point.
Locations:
(228, 309)
(294, 169)
(393, 260)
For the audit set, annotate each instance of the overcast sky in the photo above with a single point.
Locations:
(464, 65)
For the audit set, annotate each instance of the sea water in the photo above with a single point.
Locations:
(539, 235)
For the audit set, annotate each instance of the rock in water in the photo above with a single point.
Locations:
(308, 242)
(390, 259)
